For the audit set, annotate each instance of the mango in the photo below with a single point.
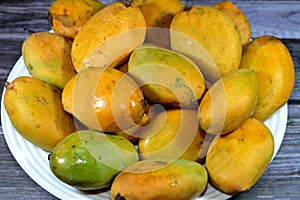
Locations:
(67, 17)
(158, 16)
(159, 13)
(274, 68)
(90, 160)
(166, 77)
(67, 95)
(47, 56)
(35, 110)
(95, 44)
(238, 17)
(172, 134)
(104, 99)
(229, 102)
(239, 158)
(160, 179)
(209, 37)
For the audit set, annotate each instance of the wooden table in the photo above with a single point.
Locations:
(278, 18)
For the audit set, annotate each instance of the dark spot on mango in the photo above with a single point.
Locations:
(127, 4)
(158, 162)
(30, 67)
(56, 91)
(119, 197)
(6, 84)
(12, 87)
(187, 9)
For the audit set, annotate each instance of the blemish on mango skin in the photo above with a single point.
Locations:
(159, 162)
(30, 67)
(67, 17)
(66, 21)
(119, 197)
(8, 86)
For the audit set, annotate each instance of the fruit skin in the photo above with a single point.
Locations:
(238, 17)
(158, 16)
(239, 158)
(104, 99)
(35, 110)
(209, 37)
(47, 56)
(90, 160)
(172, 134)
(166, 77)
(67, 95)
(160, 179)
(229, 102)
(67, 17)
(274, 68)
(133, 133)
(95, 44)
(159, 13)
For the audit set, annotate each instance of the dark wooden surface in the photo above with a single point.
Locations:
(279, 18)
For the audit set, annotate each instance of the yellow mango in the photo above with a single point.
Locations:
(47, 56)
(158, 16)
(172, 134)
(67, 17)
(104, 99)
(159, 13)
(238, 159)
(160, 179)
(274, 68)
(35, 110)
(67, 95)
(229, 102)
(209, 37)
(118, 25)
(238, 17)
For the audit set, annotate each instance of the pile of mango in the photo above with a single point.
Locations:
(151, 99)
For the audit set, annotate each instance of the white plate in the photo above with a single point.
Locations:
(34, 160)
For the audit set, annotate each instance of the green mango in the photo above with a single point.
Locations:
(166, 77)
(47, 56)
(90, 160)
